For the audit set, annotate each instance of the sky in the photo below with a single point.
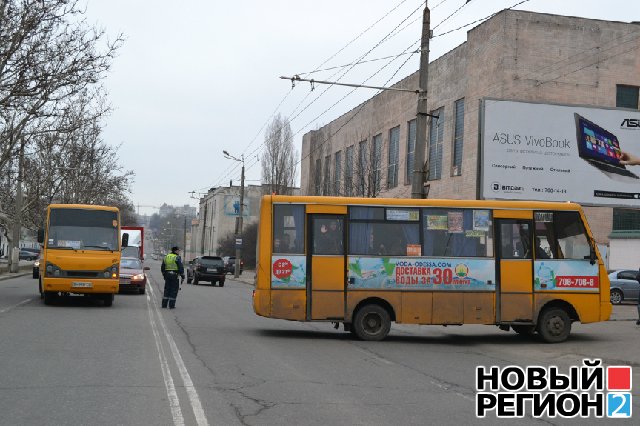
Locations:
(196, 77)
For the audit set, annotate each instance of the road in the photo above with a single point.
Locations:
(212, 361)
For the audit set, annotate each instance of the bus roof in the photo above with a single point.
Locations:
(429, 202)
(83, 206)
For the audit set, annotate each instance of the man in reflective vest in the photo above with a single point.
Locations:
(171, 268)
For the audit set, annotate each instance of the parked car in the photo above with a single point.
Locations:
(28, 255)
(230, 265)
(132, 275)
(206, 268)
(624, 285)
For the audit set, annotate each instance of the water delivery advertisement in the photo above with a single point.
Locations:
(533, 151)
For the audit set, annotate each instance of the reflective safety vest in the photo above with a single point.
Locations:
(170, 263)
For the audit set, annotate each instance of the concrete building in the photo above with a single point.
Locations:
(515, 55)
(217, 216)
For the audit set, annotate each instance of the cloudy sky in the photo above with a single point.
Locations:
(197, 77)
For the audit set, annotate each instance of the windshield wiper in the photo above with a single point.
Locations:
(99, 247)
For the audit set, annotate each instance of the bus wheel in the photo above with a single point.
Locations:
(554, 325)
(524, 330)
(372, 322)
(49, 297)
(107, 299)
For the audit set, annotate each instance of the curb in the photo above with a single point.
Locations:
(7, 276)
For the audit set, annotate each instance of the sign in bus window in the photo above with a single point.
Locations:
(457, 232)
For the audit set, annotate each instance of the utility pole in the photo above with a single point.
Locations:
(239, 246)
(184, 237)
(241, 211)
(417, 183)
(14, 247)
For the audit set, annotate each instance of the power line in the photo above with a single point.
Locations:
(324, 62)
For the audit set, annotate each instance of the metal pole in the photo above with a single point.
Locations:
(239, 247)
(417, 183)
(184, 238)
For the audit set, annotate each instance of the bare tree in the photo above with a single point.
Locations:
(51, 104)
(279, 157)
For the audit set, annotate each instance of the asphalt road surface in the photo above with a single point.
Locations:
(212, 361)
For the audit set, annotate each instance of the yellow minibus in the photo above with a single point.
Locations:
(81, 252)
(529, 266)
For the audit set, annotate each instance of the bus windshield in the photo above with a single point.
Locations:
(81, 229)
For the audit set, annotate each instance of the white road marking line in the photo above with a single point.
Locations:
(198, 412)
(174, 402)
(2, 311)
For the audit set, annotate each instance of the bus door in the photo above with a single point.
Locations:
(514, 266)
(326, 263)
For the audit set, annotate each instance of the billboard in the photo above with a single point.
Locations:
(232, 206)
(533, 151)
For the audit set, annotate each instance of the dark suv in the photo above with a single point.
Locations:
(230, 265)
(206, 268)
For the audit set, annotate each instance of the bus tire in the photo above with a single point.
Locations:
(372, 322)
(49, 297)
(554, 325)
(107, 299)
(524, 330)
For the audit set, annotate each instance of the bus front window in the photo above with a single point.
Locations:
(81, 229)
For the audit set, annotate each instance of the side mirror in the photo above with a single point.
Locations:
(41, 236)
(146, 268)
(125, 240)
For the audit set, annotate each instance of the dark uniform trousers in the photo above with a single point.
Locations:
(171, 287)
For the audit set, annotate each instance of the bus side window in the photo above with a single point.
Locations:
(571, 236)
(516, 241)
(288, 229)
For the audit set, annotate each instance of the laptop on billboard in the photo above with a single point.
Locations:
(600, 148)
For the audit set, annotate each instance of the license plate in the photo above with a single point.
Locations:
(212, 270)
(81, 284)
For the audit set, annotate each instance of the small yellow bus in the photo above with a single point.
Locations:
(532, 267)
(81, 252)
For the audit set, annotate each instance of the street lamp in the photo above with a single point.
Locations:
(228, 156)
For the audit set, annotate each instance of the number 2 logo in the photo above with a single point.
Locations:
(619, 404)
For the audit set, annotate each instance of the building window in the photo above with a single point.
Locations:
(376, 163)
(363, 171)
(436, 136)
(626, 96)
(392, 171)
(411, 148)
(626, 219)
(337, 172)
(326, 187)
(348, 172)
(458, 137)
(318, 177)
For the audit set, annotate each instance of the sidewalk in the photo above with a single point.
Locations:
(247, 277)
(624, 312)
(25, 269)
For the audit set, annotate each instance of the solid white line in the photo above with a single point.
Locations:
(198, 412)
(174, 402)
(2, 311)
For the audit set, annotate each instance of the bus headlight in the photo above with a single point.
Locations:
(52, 270)
(111, 272)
